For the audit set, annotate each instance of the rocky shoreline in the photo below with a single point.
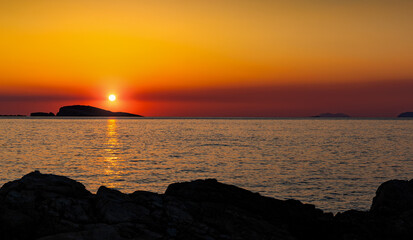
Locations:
(49, 207)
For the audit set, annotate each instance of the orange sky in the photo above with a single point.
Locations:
(208, 58)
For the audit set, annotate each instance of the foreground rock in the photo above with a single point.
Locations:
(89, 111)
(49, 207)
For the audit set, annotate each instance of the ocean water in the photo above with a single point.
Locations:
(336, 164)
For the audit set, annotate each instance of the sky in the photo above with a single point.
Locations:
(208, 58)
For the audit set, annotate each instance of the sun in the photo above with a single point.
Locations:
(112, 97)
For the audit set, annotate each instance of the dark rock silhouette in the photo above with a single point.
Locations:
(393, 197)
(49, 207)
(406, 114)
(89, 111)
(332, 115)
(42, 114)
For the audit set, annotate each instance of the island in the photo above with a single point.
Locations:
(332, 115)
(89, 111)
(42, 114)
(406, 114)
(52, 207)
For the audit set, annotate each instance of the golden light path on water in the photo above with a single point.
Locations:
(112, 155)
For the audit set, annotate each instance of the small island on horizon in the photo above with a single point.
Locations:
(42, 114)
(83, 111)
(406, 114)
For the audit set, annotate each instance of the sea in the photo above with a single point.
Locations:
(335, 164)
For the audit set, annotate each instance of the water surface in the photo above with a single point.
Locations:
(335, 164)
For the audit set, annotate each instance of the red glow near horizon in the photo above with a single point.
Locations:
(376, 99)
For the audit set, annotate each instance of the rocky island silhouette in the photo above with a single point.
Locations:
(83, 111)
(49, 207)
(406, 114)
(89, 111)
(42, 114)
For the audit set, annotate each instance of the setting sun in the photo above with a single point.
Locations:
(112, 97)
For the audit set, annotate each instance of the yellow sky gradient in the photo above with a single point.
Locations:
(156, 42)
(124, 44)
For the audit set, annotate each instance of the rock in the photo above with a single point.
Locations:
(89, 111)
(219, 204)
(48, 207)
(390, 215)
(50, 203)
(393, 198)
(97, 232)
(42, 114)
(406, 114)
(116, 207)
(15, 225)
(46, 186)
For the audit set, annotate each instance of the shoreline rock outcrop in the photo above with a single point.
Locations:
(49, 207)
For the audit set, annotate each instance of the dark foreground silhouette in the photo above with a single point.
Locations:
(44, 206)
(89, 111)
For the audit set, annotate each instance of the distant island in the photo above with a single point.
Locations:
(89, 111)
(406, 114)
(41, 114)
(332, 115)
(83, 111)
